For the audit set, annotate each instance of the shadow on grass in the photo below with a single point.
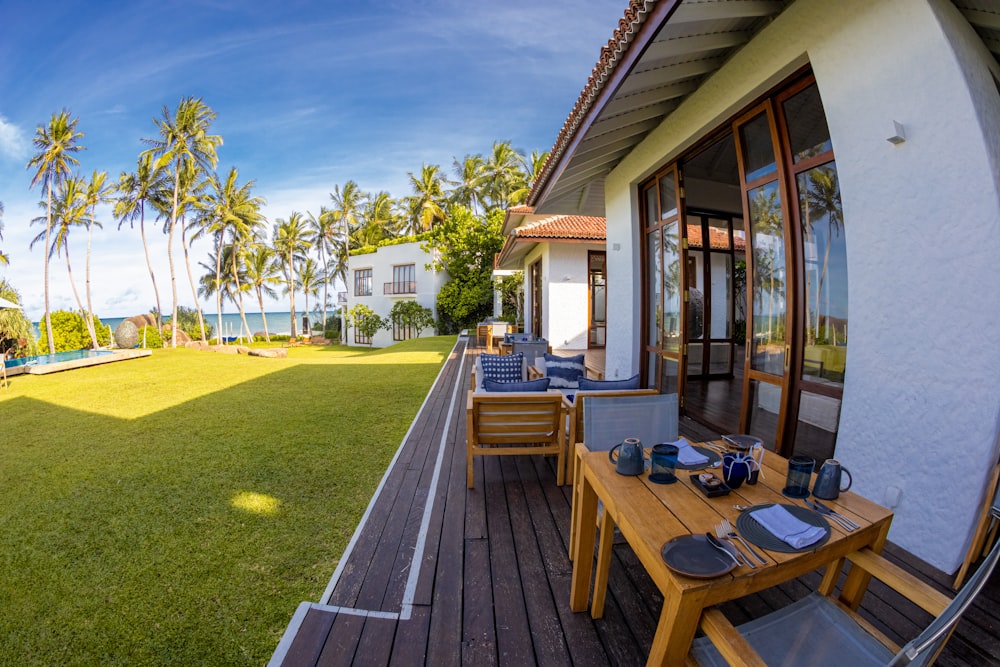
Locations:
(192, 532)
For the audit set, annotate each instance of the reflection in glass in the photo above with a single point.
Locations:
(722, 295)
(655, 280)
(807, 129)
(816, 432)
(825, 259)
(668, 196)
(653, 370)
(765, 404)
(652, 209)
(672, 286)
(767, 348)
(758, 153)
(696, 295)
(668, 376)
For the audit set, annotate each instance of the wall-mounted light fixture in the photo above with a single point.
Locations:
(898, 135)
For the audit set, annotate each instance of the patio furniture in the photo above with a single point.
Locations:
(532, 349)
(608, 419)
(576, 421)
(817, 631)
(650, 515)
(482, 334)
(986, 527)
(514, 424)
(497, 331)
(478, 375)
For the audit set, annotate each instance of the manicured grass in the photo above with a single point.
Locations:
(175, 510)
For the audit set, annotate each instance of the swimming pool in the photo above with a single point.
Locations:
(56, 358)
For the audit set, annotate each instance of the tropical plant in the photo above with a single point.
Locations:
(410, 315)
(427, 199)
(504, 182)
(377, 218)
(150, 337)
(192, 197)
(183, 141)
(72, 332)
(135, 190)
(511, 290)
(468, 181)
(262, 271)
(56, 143)
(366, 321)
(188, 321)
(16, 331)
(324, 231)
(310, 278)
(98, 191)
(290, 241)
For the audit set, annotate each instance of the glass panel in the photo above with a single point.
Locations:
(668, 196)
(718, 234)
(722, 296)
(694, 359)
(671, 287)
(696, 295)
(652, 208)
(808, 133)
(816, 432)
(719, 357)
(825, 259)
(765, 403)
(653, 370)
(768, 242)
(758, 152)
(668, 376)
(655, 305)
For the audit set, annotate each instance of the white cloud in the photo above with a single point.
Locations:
(14, 143)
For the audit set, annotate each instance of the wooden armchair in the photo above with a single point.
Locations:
(818, 630)
(513, 424)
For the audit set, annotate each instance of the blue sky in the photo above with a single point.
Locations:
(308, 95)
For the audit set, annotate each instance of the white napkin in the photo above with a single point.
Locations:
(688, 455)
(782, 524)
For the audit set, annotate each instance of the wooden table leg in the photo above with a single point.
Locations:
(583, 558)
(603, 565)
(675, 630)
(857, 579)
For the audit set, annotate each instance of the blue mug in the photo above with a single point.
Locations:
(663, 463)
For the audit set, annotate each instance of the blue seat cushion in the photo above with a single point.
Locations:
(565, 372)
(541, 384)
(609, 385)
(507, 368)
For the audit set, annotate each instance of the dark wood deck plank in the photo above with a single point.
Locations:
(494, 578)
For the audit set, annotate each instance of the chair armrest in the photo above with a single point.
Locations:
(534, 373)
(728, 640)
(927, 598)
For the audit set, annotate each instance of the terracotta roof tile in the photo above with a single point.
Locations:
(564, 227)
(717, 238)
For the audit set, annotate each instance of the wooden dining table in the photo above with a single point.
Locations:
(649, 515)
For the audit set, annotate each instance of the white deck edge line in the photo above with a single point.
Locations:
(335, 579)
(291, 631)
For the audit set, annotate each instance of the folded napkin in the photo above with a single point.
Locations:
(782, 524)
(688, 455)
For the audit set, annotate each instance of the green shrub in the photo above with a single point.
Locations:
(70, 332)
(152, 337)
(411, 315)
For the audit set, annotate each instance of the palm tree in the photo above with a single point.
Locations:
(347, 202)
(467, 190)
(99, 191)
(534, 164)
(310, 277)
(233, 212)
(504, 182)
(377, 220)
(323, 234)
(290, 240)
(193, 196)
(56, 143)
(184, 140)
(262, 271)
(69, 210)
(428, 195)
(135, 191)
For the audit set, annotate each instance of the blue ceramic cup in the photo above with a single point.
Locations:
(799, 476)
(663, 464)
(736, 468)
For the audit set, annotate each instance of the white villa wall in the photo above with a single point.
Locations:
(429, 283)
(921, 398)
(565, 296)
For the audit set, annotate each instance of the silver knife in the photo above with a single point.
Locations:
(718, 544)
(825, 511)
(837, 514)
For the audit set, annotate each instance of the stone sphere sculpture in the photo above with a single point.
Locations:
(126, 335)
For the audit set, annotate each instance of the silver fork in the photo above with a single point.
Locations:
(721, 534)
(731, 532)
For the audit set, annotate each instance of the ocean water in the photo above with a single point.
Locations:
(277, 322)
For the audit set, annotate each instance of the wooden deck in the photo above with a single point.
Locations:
(441, 575)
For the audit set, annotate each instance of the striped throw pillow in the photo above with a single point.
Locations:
(564, 371)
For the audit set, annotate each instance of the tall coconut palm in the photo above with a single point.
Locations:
(324, 231)
(504, 182)
(534, 164)
(377, 220)
(428, 195)
(183, 140)
(56, 143)
(347, 203)
(193, 199)
(262, 271)
(468, 183)
(99, 191)
(290, 241)
(135, 190)
(309, 280)
(69, 210)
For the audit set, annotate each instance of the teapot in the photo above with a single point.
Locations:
(630, 459)
(828, 480)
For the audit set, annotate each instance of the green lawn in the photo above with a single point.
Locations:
(176, 509)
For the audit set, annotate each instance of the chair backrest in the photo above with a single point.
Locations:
(609, 420)
(532, 350)
(924, 648)
(582, 399)
(499, 328)
(517, 418)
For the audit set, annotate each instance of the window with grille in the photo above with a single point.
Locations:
(363, 282)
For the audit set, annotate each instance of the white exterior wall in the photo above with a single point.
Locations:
(565, 297)
(922, 222)
(429, 283)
